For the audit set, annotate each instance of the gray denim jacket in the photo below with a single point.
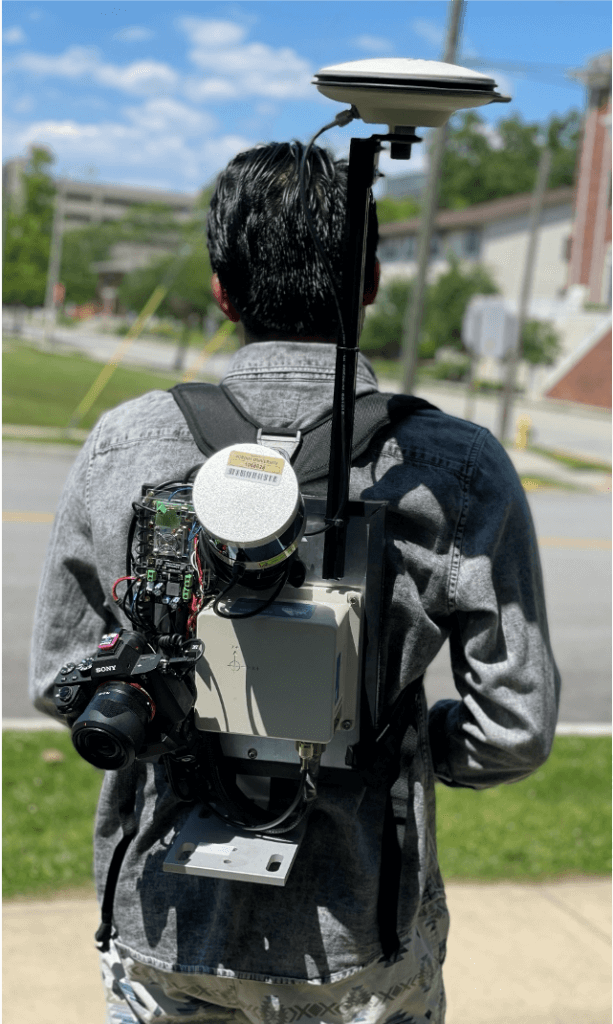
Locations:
(461, 564)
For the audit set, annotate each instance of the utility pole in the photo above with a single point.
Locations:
(55, 256)
(526, 289)
(6, 205)
(414, 312)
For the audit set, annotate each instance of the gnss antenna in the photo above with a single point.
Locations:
(403, 94)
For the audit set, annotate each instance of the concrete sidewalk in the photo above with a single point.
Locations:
(518, 954)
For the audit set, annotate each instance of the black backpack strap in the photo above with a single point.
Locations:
(217, 419)
(373, 412)
(214, 417)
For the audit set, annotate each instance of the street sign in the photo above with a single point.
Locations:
(489, 327)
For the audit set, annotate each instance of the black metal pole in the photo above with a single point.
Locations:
(359, 181)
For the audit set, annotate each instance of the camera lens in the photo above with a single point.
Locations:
(111, 730)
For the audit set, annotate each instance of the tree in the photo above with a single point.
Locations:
(390, 209)
(382, 333)
(446, 302)
(27, 238)
(150, 223)
(541, 344)
(189, 296)
(190, 290)
(480, 165)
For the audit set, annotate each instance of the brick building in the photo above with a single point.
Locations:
(585, 375)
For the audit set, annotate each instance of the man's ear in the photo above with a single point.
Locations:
(223, 301)
(370, 294)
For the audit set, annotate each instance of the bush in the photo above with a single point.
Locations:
(446, 302)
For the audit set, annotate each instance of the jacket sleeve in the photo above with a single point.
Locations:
(71, 613)
(503, 726)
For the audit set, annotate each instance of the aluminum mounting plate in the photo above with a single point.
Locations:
(207, 846)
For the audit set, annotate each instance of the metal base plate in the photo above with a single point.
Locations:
(207, 846)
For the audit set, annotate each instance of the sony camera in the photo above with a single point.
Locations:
(128, 700)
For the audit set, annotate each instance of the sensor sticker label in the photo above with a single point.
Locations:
(263, 469)
(218, 848)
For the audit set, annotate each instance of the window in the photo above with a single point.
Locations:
(472, 243)
(395, 250)
(74, 218)
(78, 197)
(118, 201)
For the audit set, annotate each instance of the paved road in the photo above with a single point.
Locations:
(577, 580)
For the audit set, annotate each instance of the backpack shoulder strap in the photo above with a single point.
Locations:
(217, 419)
(214, 417)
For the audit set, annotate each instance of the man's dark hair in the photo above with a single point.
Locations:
(260, 246)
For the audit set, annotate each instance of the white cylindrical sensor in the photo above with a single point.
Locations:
(248, 501)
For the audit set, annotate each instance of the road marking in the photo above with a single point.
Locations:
(594, 543)
(26, 517)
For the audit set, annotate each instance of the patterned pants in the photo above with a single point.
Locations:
(407, 992)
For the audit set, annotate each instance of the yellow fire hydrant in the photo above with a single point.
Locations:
(522, 431)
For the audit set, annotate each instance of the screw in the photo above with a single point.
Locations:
(353, 600)
(252, 753)
(346, 724)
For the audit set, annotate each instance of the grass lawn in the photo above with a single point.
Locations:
(44, 389)
(571, 461)
(49, 801)
(553, 824)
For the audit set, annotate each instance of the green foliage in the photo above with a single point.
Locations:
(446, 304)
(474, 171)
(382, 333)
(556, 822)
(27, 239)
(190, 291)
(446, 301)
(390, 209)
(44, 389)
(149, 223)
(541, 344)
(49, 801)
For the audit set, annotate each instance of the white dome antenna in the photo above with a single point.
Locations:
(399, 91)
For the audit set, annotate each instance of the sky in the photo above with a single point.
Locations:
(163, 93)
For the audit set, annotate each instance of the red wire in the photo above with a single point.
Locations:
(116, 584)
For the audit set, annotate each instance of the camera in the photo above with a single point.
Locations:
(127, 701)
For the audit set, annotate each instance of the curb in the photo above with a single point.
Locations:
(26, 432)
(562, 729)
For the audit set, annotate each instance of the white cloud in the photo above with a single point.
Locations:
(141, 77)
(134, 34)
(209, 34)
(201, 89)
(373, 44)
(429, 30)
(167, 115)
(162, 139)
(236, 68)
(14, 35)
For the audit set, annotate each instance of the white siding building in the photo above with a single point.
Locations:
(494, 234)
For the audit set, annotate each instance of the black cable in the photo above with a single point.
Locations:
(275, 826)
(255, 611)
(131, 532)
(342, 118)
